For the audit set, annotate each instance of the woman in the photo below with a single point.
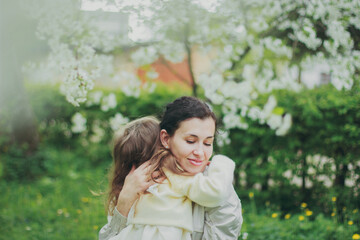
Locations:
(188, 127)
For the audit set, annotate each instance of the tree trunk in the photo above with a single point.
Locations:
(190, 65)
(189, 59)
(264, 164)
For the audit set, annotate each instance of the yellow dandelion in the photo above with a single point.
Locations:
(78, 211)
(85, 199)
(301, 218)
(332, 214)
(287, 216)
(355, 210)
(333, 199)
(251, 194)
(350, 222)
(95, 227)
(274, 215)
(356, 236)
(308, 213)
(303, 205)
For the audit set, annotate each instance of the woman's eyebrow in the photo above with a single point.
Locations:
(193, 135)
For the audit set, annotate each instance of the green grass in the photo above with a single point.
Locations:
(62, 206)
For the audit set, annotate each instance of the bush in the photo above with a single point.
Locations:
(54, 119)
(321, 148)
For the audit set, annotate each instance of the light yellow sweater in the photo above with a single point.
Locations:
(170, 203)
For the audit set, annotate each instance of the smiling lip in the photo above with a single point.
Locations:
(195, 162)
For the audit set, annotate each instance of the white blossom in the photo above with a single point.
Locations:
(325, 180)
(152, 74)
(295, 180)
(234, 121)
(98, 133)
(117, 121)
(94, 98)
(172, 51)
(285, 125)
(79, 123)
(255, 113)
(108, 102)
(72, 37)
(144, 56)
(222, 138)
(274, 121)
(269, 106)
(245, 235)
(288, 174)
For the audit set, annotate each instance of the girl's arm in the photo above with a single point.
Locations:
(211, 190)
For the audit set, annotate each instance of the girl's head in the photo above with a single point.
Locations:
(134, 144)
(188, 129)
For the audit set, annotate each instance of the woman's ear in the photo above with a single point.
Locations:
(164, 138)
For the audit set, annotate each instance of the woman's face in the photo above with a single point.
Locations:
(192, 143)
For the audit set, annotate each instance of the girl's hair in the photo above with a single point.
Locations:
(134, 144)
(164, 158)
(183, 109)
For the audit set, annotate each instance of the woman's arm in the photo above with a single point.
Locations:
(221, 222)
(224, 221)
(115, 224)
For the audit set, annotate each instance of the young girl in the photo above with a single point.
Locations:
(166, 212)
(134, 144)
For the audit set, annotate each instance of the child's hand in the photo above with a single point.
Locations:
(156, 176)
(136, 183)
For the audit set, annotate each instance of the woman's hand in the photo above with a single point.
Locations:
(136, 183)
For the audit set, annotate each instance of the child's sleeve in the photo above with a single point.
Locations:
(211, 190)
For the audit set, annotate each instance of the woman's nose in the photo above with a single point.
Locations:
(198, 151)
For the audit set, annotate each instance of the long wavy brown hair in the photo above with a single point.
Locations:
(134, 144)
(163, 158)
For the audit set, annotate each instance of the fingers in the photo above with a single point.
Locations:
(161, 179)
(132, 169)
(155, 174)
(144, 165)
(144, 169)
(152, 182)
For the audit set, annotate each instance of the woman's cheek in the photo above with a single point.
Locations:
(209, 152)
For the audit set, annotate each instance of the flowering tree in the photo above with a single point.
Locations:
(259, 46)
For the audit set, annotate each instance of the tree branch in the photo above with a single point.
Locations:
(172, 70)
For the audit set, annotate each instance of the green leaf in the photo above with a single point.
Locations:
(278, 111)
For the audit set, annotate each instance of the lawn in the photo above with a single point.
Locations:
(69, 204)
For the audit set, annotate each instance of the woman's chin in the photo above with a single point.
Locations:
(195, 169)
